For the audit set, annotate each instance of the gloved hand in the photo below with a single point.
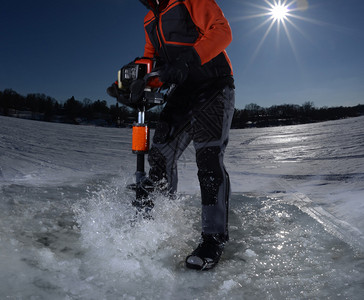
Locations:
(119, 94)
(177, 70)
(127, 97)
(112, 90)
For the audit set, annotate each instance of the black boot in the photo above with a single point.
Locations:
(208, 252)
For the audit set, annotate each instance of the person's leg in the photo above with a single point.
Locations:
(211, 124)
(171, 138)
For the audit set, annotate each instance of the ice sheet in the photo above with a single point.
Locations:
(67, 228)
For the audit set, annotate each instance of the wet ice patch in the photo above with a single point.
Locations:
(289, 253)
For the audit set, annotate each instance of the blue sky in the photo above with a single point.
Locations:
(65, 48)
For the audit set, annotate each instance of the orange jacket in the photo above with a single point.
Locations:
(185, 25)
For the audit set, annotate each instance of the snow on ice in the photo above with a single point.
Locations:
(68, 230)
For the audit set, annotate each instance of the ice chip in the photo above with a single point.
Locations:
(250, 253)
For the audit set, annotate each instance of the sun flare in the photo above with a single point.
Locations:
(279, 12)
(280, 15)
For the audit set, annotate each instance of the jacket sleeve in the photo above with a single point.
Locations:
(215, 29)
(149, 50)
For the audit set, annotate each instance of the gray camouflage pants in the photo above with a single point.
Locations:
(204, 118)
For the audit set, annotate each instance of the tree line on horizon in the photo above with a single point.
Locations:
(45, 108)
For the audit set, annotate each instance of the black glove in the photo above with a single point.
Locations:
(120, 95)
(112, 90)
(177, 70)
(131, 96)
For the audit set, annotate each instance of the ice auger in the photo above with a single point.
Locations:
(140, 88)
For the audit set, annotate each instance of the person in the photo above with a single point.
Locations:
(189, 38)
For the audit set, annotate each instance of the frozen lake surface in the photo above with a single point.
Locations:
(67, 228)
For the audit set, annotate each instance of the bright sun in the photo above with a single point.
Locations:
(279, 12)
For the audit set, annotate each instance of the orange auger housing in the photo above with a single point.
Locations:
(137, 70)
(140, 138)
(153, 82)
